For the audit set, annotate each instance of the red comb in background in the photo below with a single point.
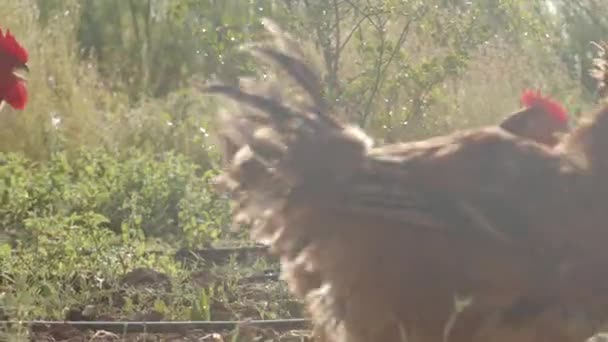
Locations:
(531, 98)
(9, 47)
(12, 57)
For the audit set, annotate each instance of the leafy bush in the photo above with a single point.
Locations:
(138, 195)
(71, 226)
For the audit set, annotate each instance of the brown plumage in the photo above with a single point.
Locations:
(383, 243)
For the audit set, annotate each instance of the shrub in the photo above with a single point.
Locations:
(139, 195)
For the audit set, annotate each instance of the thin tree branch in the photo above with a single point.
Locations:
(381, 72)
(350, 34)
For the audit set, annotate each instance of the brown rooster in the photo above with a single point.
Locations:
(473, 236)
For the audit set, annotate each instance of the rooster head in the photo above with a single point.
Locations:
(548, 106)
(542, 119)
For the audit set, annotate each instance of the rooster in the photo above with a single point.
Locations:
(472, 236)
(13, 57)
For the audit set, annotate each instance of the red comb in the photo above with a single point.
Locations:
(531, 98)
(10, 47)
